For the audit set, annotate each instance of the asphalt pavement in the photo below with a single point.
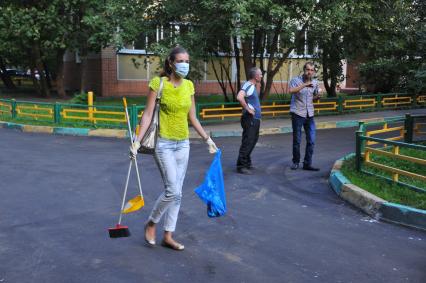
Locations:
(60, 194)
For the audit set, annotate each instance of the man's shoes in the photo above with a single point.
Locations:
(310, 168)
(295, 166)
(245, 171)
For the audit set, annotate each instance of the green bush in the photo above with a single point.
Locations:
(417, 80)
(81, 98)
(382, 75)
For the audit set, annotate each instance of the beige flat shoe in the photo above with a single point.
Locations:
(150, 242)
(175, 246)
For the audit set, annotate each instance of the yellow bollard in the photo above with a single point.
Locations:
(90, 105)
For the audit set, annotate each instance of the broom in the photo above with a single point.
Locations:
(134, 204)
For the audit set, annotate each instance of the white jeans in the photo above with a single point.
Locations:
(172, 160)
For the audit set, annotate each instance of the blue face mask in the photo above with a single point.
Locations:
(182, 69)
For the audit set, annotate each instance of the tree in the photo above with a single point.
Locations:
(262, 32)
(44, 30)
(326, 31)
(269, 32)
(392, 48)
(21, 25)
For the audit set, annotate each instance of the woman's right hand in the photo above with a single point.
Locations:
(134, 149)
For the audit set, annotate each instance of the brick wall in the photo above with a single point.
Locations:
(352, 74)
(102, 78)
(72, 73)
(113, 87)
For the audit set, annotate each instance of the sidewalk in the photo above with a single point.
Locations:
(230, 128)
(283, 125)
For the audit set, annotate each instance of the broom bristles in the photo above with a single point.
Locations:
(119, 231)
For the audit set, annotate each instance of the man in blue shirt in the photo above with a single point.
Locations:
(304, 90)
(250, 120)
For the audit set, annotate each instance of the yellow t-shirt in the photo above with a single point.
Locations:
(174, 108)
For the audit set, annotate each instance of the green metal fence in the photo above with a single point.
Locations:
(216, 112)
(400, 132)
(114, 117)
(65, 114)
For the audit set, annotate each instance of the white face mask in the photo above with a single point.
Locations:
(182, 69)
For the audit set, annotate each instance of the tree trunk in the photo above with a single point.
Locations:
(333, 84)
(273, 50)
(48, 77)
(60, 73)
(333, 88)
(43, 87)
(330, 77)
(36, 84)
(7, 80)
(325, 76)
(83, 72)
(228, 77)
(247, 55)
(220, 80)
(238, 65)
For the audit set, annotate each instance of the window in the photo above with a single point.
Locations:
(300, 43)
(145, 39)
(305, 44)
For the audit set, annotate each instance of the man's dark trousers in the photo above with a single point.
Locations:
(308, 125)
(250, 127)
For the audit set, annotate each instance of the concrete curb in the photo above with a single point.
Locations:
(119, 133)
(111, 133)
(372, 205)
(114, 133)
(288, 129)
(71, 131)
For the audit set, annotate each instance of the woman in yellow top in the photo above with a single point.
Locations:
(172, 150)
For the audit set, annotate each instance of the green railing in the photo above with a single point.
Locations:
(394, 151)
(215, 112)
(75, 115)
(113, 116)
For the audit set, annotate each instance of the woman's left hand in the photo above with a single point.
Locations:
(212, 146)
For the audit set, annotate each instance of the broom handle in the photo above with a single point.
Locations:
(139, 179)
(125, 191)
(128, 120)
(131, 140)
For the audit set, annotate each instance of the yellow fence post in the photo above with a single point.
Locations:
(273, 111)
(367, 156)
(90, 105)
(395, 176)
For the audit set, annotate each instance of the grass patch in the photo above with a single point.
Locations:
(386, 190)
(401, 164)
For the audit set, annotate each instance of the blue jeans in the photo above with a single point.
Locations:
(308, 125)
(172, 160)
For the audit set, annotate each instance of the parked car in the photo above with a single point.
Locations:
(17, 73)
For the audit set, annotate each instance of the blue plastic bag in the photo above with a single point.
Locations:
(212, 190)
